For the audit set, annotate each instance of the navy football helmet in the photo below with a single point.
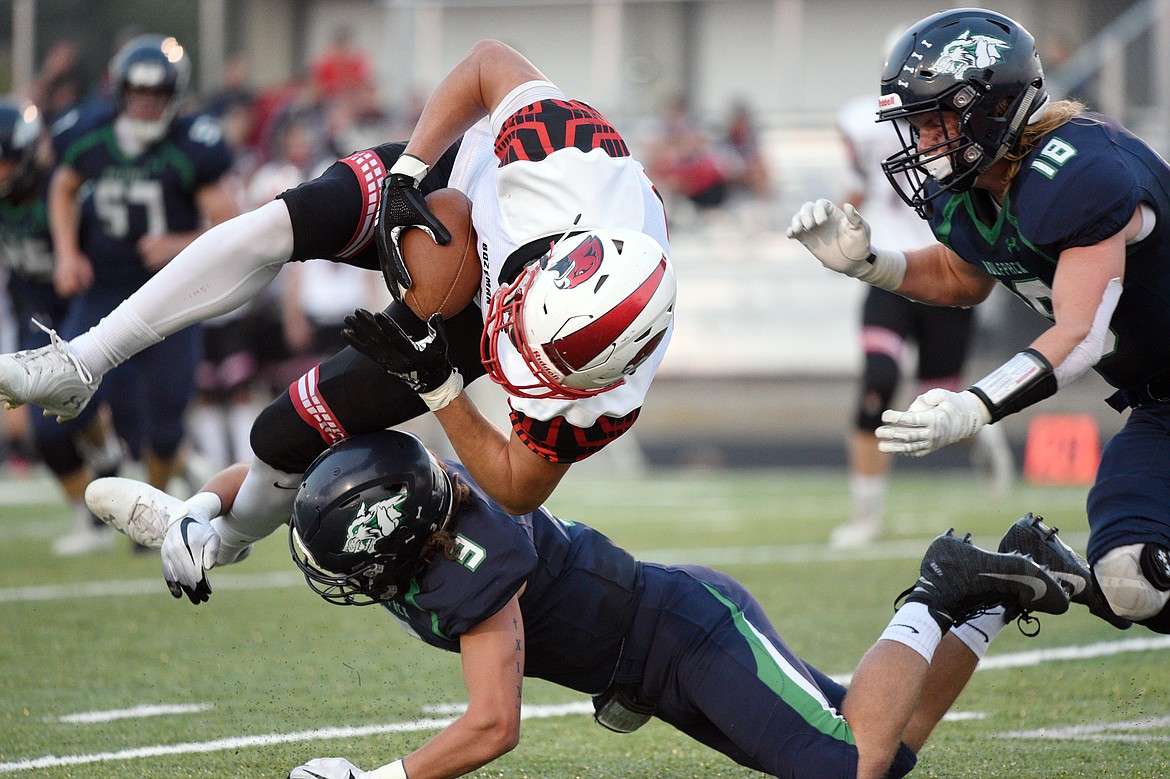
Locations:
(151, 62)
(20, 131)
(364, 512)
(978, 64)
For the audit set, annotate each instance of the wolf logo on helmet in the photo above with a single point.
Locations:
(969, 51)
(373, 523)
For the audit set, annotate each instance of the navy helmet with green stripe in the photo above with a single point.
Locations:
(365, 510)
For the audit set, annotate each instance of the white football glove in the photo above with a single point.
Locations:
(327, 768)
(935, 419)
(189, 549)
(840, 240)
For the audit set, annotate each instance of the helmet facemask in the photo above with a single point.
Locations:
(976, 74)
(366, 586)
(504, 320)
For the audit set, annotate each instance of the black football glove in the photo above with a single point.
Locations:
(403, 205)
(422, 365)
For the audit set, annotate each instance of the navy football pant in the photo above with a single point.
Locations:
(1130, 501)
(717, 670)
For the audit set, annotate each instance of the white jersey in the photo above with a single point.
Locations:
(893, 223)
(522, 193)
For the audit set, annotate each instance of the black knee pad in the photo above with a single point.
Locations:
(1155, 562)
(877, 390)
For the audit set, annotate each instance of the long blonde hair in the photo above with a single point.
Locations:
(1055, 114)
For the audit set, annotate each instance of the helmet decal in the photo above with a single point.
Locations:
(578, 349)
(578, 265)
(967, 52)
(373, 523)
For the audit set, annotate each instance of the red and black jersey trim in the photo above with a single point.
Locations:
(560, 442)
(539, 129)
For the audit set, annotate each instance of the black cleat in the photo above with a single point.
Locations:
(1030, 536)
(959, 581)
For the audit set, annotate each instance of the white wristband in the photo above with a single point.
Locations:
(395, 770)
(887, 270)
(441, 396)
(201, 505)
(409, 165)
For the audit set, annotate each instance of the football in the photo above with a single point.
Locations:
(444, 278)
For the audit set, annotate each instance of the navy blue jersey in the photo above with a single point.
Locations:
(581, 596)
(25, 244)
(1079, 186)
(129, 197)
(333, 215)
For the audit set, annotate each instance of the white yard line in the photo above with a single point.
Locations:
(146, 710)
(268, 739)
(1100, 731)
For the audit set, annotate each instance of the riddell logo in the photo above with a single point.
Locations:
(889, 101)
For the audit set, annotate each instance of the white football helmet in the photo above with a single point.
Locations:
(584, 316)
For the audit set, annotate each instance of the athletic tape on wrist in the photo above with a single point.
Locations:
(886, 269)
(395, 770)
(1020, 382)
(441, 396)
(409, 165)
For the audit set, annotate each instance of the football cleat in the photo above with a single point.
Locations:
(88, 536)
(1030, 536)
(855, 534)
(51, 377)
(134, 508)
(959, 581)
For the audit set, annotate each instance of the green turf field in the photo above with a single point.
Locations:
(105, 675)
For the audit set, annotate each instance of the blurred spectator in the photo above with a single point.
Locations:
(61, 83)
(683, 160)
(341, 69)
(235, 90)
(317, 297)
(741, 140)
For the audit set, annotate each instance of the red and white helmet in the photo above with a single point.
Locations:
(584, 316)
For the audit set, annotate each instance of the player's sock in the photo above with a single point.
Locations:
(120, 335)
(978, 632)
(914, 626)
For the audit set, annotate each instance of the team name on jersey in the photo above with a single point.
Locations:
(1003, 270)
(485, 264)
